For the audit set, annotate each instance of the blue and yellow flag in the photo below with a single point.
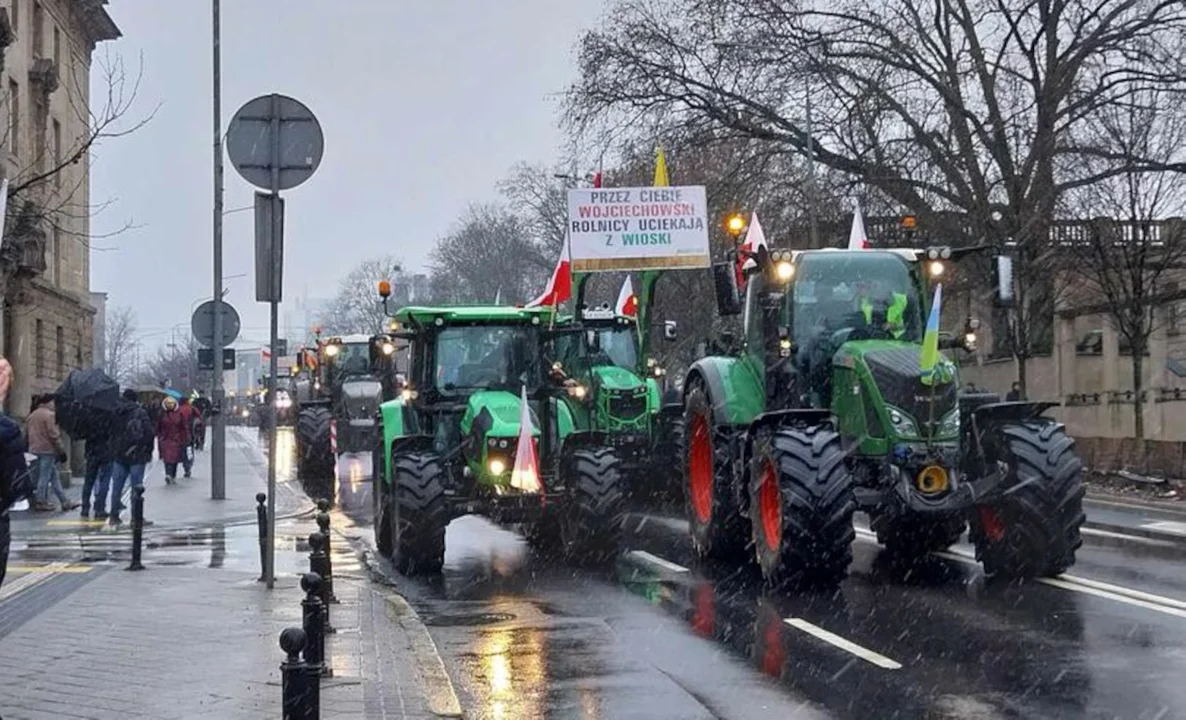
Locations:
(933, 369)
(661, 179)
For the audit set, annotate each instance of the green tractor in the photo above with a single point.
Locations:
(623, 395)
(338, 392)
(449, 440)
(825, 408)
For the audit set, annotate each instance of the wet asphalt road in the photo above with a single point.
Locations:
(657, 635)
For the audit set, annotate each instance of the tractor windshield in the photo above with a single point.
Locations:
(353, 359)
(853, 295)
(484, 356)
(619, 346)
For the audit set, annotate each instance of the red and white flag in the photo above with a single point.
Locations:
(525, 473)
(265, 353)
(627, 302)
(858, 239)
(559, 286)
(755, 239)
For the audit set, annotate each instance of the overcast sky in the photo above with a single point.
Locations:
(425, 105)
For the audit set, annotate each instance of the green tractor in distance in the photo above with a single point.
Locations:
(339, 387)
(823, 410)
(449, 440)
(622, 394)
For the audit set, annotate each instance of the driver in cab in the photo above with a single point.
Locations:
(882, 308)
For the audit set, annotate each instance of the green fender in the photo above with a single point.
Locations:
(736, 390)
(391, 414)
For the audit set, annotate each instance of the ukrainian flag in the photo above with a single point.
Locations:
(661, 179)
(931, 366)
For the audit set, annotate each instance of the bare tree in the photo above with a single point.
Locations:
(489, 253)
(357, 307)
(540, 200)
(1126, 256)
(120, 344)
(964, 112)
(174, 365)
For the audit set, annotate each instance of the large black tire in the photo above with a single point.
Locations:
(718, 529)
(419, 513)
(592, 523)
(910, 538)
(801, 507)
(666, 477)
(315, 460)
(1034, 530)
(382, 505)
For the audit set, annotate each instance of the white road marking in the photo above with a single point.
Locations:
(1127, 538)
(1089, 590)
(846, 645)
(1167, 526)
(656, 560)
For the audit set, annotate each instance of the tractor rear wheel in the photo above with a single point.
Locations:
(718, 528)
(1034, 530)
(418, 513)
(801, 506)
(315, 461)
(591, 527)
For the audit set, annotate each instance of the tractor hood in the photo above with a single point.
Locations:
(361, 398)
(893, 370)
(612, 377)
(494, 413)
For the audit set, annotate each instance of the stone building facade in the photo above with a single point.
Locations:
(47, 317)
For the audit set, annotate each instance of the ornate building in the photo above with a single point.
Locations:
(46, 48)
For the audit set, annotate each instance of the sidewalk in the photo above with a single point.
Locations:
(188, 638)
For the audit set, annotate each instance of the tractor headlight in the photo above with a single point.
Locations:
(950, 424)
(388, 348)
(497, 467)
(936, 268)
(578, 391)
(408, 394)
(332, 350)
(784, 270)
(903, 423)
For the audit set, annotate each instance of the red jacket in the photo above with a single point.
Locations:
(173, 436)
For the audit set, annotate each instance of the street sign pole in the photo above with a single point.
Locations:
(218, 424)
(276, 261)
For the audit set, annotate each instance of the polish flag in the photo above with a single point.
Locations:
(858, 239)
(525, 473)
(755, 239)
(265, 353)
(627, 302)
(597, 179)
(559, 286)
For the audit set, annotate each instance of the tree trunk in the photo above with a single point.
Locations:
(1138, 402)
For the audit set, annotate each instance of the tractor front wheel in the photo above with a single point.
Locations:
(1034, 530)
(315, 460)
(418, 513)
(591, 527)
(801, 507)
(718, 529)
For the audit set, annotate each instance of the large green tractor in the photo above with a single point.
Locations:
(449, 440)
(825, 408)
(621, 393)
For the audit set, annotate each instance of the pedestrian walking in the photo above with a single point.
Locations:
(15, 482)
(172, 433)
(45, 441)
(99, 460)
(1014, 394)
(201, 406)
(131, 447)
(187, 452)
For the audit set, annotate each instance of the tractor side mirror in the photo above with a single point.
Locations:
(724, 279)
(670, 330)
(1002, 274)
(593, 341)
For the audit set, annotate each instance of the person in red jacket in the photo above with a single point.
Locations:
(190, 416)
(173, 438)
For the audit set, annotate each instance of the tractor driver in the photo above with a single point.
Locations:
(882, 307)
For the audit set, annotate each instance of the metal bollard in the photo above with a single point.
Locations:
(261, 518)
(317, 559)
(301, 689)
(137, 526)
(327, 592)
(313, 620)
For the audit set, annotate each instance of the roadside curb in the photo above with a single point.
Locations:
(438, 689)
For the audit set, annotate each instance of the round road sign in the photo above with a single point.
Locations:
(296, 150)
(202, 324)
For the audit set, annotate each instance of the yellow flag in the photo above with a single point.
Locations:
(661, 179)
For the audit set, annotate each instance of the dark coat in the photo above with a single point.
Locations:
(132, 443)
(98, 447)
(15, 482)
(173, 436)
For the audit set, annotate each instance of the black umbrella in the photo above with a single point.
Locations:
(86, 402)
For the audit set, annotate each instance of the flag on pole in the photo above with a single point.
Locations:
(661, 178)
(858, 239)
(525, 473)
(627, 302)
(930, 365)
(559, 287)
(498, 297)
(755, 239)
(265, 353)
(597, 179)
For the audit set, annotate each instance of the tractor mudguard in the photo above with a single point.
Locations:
(1019, 411)
(736, 392)
(393, 414)
(583, 439)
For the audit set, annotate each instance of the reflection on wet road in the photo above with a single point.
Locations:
(661, 635)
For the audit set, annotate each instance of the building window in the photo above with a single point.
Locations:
(14, 117)
(57, 152)
(39, 348)
(38, 30)
(60, 352)
(57, 48)
(15, 15)
(56, 239)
